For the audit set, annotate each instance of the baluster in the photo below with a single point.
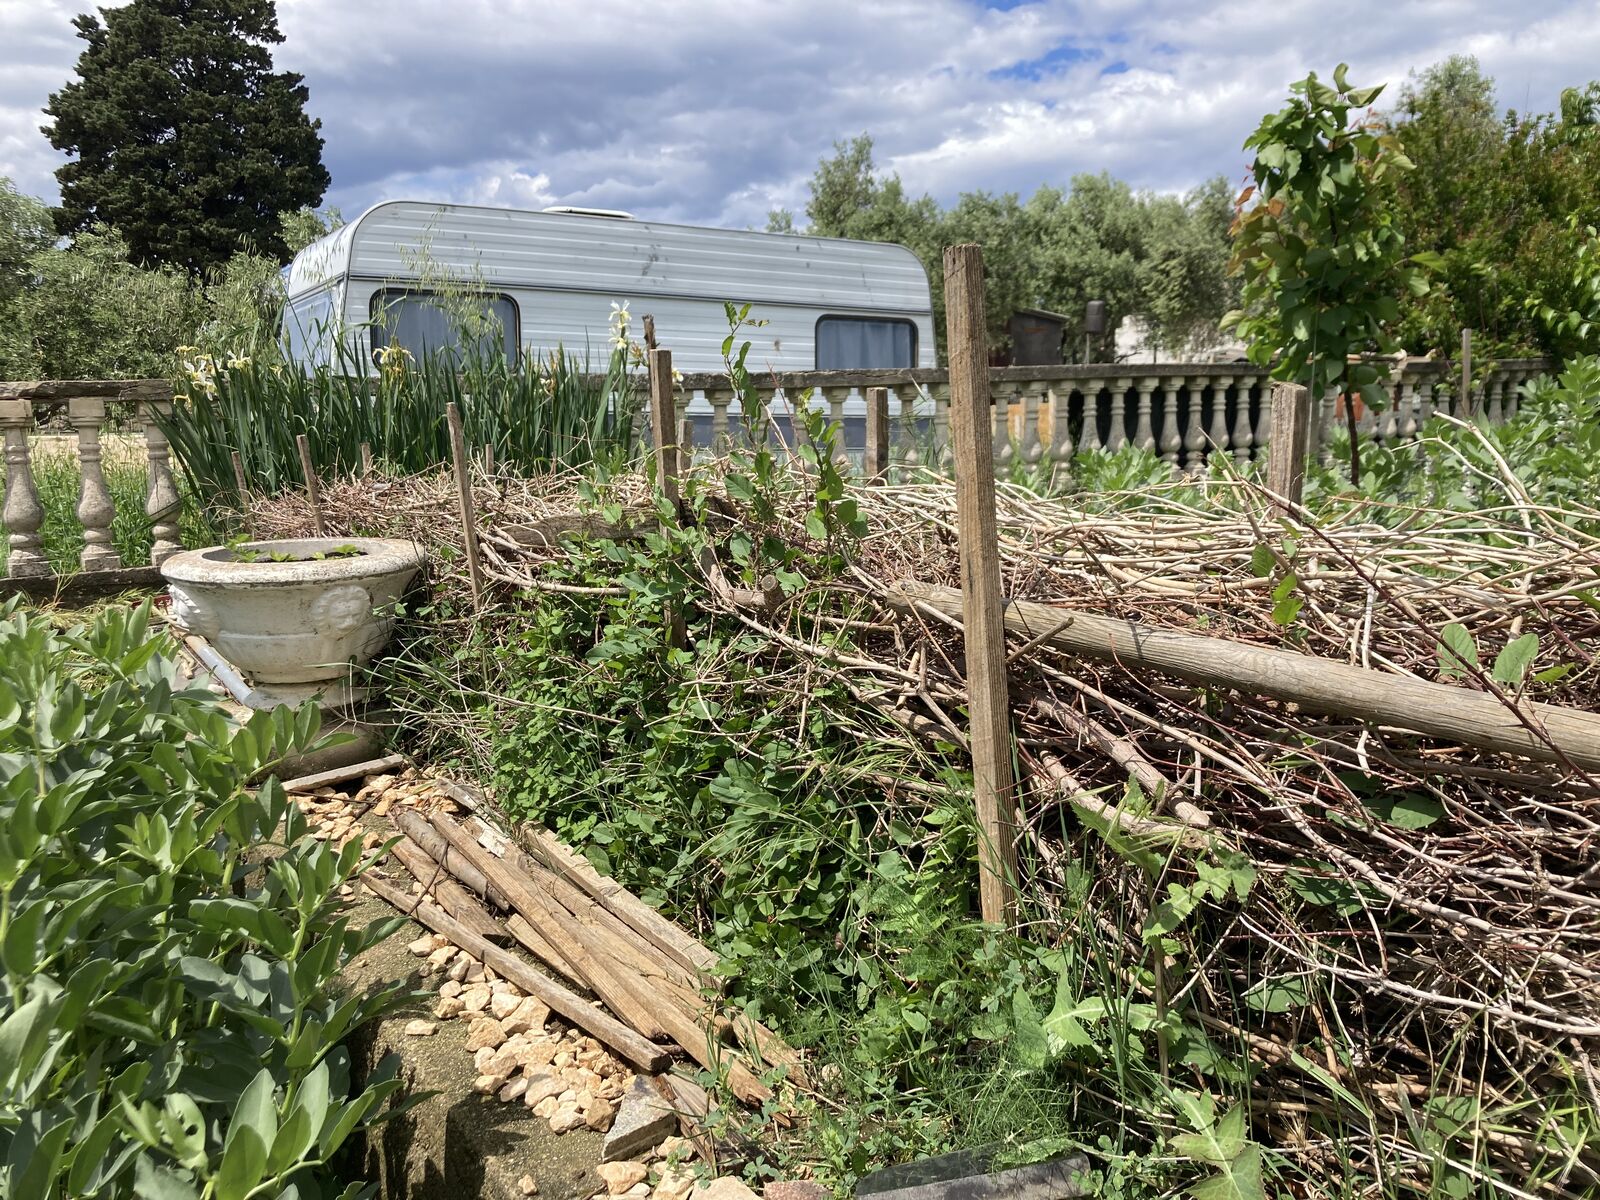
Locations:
(23, 513)
(1118, 433)
(1217, 428)
(685, 444)
(1089, 425)
(1388, 422)
(1496, 389)
(1406, 391)
(910, 454)
(95, 511)
(941, 425)
(1060, 429)
(1263, 427)
(1143, 434)
(1243, 434)
(1032, 445)
(1001, 396)
(1171, 435)
(836, 396)
(719, 399)
(1194, 438)
(1326, 414)
(1423, 402)
(161, 503)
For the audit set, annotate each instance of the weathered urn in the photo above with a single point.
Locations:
(296, 615)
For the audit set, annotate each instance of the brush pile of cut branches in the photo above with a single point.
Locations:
(1398, 932)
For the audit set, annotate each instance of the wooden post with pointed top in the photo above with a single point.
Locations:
(664, 428)
(983, 600)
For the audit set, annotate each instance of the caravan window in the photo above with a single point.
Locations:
(861, 344)
(307, 334)
(427, 323)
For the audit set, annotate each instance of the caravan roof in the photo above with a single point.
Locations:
(563, 251)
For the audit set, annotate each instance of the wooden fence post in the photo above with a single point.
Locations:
(875, 459)
(469, 518)
(1290, 441)
(664, 422)
(1464, 406)
(983, 602)
(313, 492)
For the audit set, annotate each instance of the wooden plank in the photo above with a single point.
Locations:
(660, 932)
(641, 1052)
(372, 766)
(421, 831)
(983, 603)
(1440, 710)
(313, 491)
(1290, 434)
(446, 892)
(366, 460)
(875, 461)
(469, 521)
(1465, 406)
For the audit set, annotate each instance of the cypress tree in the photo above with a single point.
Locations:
(182, 136)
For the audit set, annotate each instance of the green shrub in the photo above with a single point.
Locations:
(168, 934)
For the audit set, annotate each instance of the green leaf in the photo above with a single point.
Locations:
(1405, 810)
(1458, 653)
(1278, 994)
(1028, 1040)
(1512, 663)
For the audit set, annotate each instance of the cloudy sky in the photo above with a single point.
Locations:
(715, 111)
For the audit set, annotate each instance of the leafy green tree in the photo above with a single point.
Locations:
(180, 133)
(25, 230)
(1503, 200)
(1321, 254)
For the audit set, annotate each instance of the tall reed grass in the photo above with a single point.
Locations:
(536, 413)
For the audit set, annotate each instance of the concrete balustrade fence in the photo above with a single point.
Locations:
(1043, 416)
(83, 405)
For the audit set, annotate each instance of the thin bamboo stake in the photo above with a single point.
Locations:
(313, 494)
(469, 522)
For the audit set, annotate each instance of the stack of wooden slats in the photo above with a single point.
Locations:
(658, 985)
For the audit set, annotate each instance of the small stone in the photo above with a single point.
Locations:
(502, 1006)
(542, 1085)
(726, 1187)
(450, 1006)
(422, 947)
(438, 958)
(598, 1115)
(503, 987)
(541, 1052)
(449, 988)
(547, 1108)
(675, 1183)
(488, 1085)
(529, 1016)
(527, 1186)
(638, 1190)
(563, 1059)
(620, 1176)
(513, 1090)
(795, 1189)
(643, 1119)
(504, 1062)
(481, 1057)
(474, 971)
(566, 1119)
(419, 1028)
(458, 969)
(485, 1031)
(476, 999)
(677, 1149)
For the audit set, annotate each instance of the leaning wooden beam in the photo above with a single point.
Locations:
(640, 1051)
(418, 828)
(1440, 710)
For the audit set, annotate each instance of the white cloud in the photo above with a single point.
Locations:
(717, 110)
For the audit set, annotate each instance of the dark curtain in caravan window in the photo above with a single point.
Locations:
(427, 324)
(857, 344)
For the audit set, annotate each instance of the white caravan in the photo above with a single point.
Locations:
(551, 280)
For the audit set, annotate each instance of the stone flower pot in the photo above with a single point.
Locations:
(294, 624)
